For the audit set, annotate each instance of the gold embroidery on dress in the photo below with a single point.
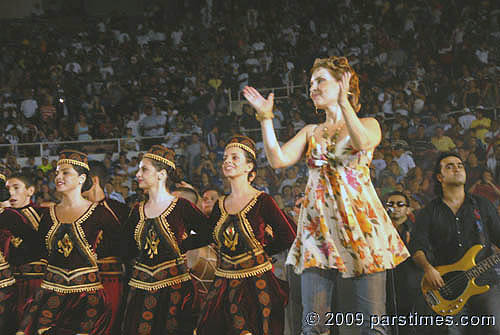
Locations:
(81, 239)
(32, 216)
(230, 238)
(163, 226)
(16, 241)
(152, 243)
(65, 246)
(99, 238)
(269, 231)
(244, 223)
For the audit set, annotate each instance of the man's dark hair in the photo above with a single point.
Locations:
(211, 188)
(98, 169)
(438, 188)
(188, 190)
(26, 179)
(400, 194)
(4, 192)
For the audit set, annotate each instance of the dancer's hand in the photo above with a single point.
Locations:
(344, 89)
(185, 185)
(257, 101)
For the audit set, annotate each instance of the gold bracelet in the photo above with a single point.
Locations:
(264, 116)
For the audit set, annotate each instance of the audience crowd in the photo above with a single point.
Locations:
(429, 72)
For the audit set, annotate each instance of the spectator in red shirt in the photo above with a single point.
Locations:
(486, 187)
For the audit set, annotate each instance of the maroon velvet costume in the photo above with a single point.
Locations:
(161, 289)
(71, 299)
(111, 266)
(7, 297)
(246, 297)
(24, 250)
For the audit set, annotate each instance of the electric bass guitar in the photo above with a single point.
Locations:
(459, 282)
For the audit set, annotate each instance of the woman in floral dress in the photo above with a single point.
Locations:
(343, 227)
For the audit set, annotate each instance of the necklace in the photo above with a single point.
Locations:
(331, 141)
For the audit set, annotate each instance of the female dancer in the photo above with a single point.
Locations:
(109, 262)
(25, 244)
(342, 225)
(160, 231)
(71, 299)
(7, 281)
(246, 297)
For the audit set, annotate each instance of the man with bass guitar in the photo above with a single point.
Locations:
(449, 233)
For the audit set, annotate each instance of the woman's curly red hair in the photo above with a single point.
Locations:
(337, 67)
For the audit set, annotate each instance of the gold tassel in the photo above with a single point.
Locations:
(7, 282)
(69, 289)
(160, 284)
(244, 273)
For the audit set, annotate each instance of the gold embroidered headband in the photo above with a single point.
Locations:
(74, 157)
(160, 159)
(242, 146)
(73, 162)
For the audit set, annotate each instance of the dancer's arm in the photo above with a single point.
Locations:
(292, 151)
(365, 133)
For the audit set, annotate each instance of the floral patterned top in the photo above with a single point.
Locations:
(342, 223)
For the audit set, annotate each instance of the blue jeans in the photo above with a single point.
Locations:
(350, 303)
(293, 324)
(480, 312)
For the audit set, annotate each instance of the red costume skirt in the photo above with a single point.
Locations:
(253, 305)
(7, 310)
(66, 313)
(113, 286)
(111, 274)
(166, 311)
(28, 280)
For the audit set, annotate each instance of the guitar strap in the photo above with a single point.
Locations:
(479, 221)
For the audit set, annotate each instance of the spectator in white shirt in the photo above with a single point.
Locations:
(134, 124)
(29, 107)
(404, 160)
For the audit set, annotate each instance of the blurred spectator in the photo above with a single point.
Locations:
(45, 166)
(404, 160)
(209, 198)
(82, 129)
(29, 106)
(474, 170)
(480, 126)
(487, 188)
(441, 142)
(152, 124)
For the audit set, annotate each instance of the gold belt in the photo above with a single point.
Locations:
(159, 276)
(6, 278)
(32, 269)
(244, 265)
(71, 281)
(110, 266)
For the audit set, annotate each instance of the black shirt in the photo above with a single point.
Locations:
(445, 237)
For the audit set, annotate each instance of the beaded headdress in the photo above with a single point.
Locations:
(2, 173)
(161, 154)
(243, 142)
(74, 157)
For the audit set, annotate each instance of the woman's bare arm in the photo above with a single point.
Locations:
(291, 152)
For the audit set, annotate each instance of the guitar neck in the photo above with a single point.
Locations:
(483, 266)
